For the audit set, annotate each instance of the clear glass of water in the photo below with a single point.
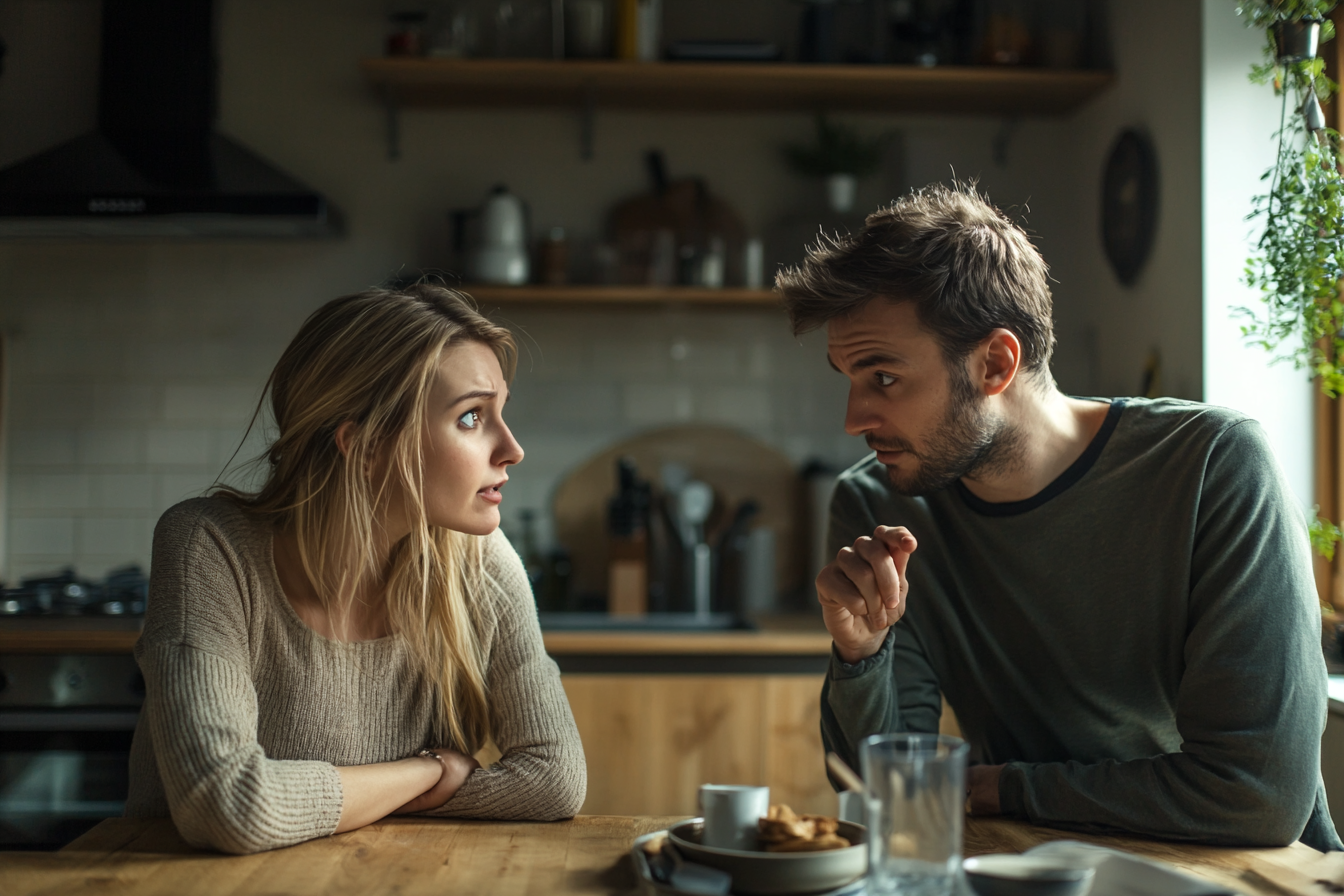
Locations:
(917, 785)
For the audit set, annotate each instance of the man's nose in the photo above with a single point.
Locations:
(860, 417)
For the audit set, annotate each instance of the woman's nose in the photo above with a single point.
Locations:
(508, 451)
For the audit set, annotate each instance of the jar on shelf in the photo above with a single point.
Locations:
(405, 36)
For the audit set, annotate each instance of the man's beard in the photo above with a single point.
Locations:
(966, 442)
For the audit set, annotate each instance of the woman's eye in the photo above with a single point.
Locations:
(885, 379)
(469, 420)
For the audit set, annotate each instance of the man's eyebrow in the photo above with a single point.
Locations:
(876, 359)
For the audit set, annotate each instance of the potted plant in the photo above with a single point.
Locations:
(840, 156)
(1298, 265)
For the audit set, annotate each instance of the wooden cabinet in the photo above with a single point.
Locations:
(652, 740)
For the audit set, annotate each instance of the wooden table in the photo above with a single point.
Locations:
(429, 856)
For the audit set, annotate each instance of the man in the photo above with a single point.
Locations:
(1115, 597)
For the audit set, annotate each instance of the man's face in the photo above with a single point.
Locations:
(925, 419)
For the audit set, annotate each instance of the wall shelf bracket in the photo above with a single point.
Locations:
(1003, 138)
(392, 126)
(587, 122)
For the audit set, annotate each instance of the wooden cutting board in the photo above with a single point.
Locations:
(736, 465)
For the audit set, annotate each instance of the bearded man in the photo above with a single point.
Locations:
(1115, 597)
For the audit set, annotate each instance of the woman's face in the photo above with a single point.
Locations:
(467, 445)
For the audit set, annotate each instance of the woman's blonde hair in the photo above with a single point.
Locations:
(371, 358)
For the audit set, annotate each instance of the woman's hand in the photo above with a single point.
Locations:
(457, 767)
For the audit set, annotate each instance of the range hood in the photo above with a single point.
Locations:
(156, 167)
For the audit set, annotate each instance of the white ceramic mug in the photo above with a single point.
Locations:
(731, 812)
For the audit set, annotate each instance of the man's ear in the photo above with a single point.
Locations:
(345, 434)
(1001, 356)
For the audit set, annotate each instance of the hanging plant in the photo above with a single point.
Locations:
(1298, 266)
(1299, 260)
(840, 149)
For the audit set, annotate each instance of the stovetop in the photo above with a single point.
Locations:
(122, 593)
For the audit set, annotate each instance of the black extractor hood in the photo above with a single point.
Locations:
(156, 167)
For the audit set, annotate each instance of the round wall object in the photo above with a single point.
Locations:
(1129, 204)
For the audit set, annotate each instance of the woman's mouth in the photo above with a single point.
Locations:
(492, 493)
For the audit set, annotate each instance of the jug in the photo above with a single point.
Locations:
(496, 252)
(502, 255)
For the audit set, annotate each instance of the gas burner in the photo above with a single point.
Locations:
(123, 593)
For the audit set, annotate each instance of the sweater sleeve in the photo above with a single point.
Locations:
(201, 706)
(1251, 704)
(541, 774)
(895, 689)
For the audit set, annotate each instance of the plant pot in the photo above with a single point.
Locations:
(1296, 40)
(840, 190)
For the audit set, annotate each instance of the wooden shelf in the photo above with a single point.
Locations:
(732, 87)
(620, 295)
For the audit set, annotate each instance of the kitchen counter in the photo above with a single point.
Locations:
(68, 634)
(587, 855)
(777, 637)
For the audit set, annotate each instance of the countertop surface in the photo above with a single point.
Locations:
(587, 855)
(800, 635)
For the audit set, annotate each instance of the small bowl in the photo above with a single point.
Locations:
(1013, 875)
(762, 873)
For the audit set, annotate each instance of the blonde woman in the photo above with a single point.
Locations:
(334, 648)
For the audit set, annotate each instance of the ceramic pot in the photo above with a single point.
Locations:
(1296, 40)
(840, 190)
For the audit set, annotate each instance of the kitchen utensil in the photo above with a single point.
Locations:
(678, 220)
(855, 797)
(731, 812)
(771, 873)
(915, 814)
(844, 774)
(694, 502)
(1008, 874)
(738, 467)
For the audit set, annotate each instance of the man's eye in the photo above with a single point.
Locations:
(885, 379)
(469, 420)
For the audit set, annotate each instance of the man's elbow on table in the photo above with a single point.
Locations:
(1256, 814)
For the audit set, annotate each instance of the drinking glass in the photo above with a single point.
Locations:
(917, 803)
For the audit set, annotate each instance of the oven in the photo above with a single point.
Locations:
(66, 722)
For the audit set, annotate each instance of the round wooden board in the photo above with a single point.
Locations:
(736, 465)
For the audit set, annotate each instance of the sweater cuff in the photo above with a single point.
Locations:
(328, 800)
(1013, 789)
(841, 670)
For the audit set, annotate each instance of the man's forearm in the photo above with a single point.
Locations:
(1174, 796)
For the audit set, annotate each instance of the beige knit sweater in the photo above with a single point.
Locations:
(248, 711)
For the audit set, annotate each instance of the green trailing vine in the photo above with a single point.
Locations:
(840, 149)
(1298, 266)
(1299, 260)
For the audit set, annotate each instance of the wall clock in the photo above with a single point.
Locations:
(1129, 204)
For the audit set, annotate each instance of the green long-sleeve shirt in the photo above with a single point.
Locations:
(1139, 642)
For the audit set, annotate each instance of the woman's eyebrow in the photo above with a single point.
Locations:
(473, 396)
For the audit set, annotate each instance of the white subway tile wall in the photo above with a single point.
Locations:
(98, 450)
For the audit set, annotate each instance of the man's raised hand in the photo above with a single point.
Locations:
(863, 592)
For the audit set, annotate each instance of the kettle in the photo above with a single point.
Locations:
(501, 253)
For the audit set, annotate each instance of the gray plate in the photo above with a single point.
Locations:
(778, 873)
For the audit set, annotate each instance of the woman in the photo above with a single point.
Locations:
(305, 644)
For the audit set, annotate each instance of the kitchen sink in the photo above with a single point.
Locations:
(653, 622)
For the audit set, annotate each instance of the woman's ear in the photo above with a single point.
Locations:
(345, 433)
